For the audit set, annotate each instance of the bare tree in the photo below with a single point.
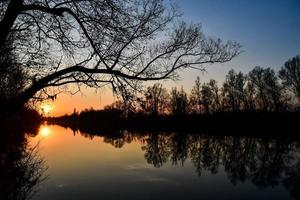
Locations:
(256, 77)
(268, 88)
(195, 97)
(249, 96)
(156, 99)
(216, 103)
(290, 75)
(234, 89)
(97, 43)
(207, 97)
(179, 102)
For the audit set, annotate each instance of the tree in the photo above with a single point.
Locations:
(274, 88)
(156, 99)
(268, 89)
(290, 75)
(179, 102)
(195, 97)
(98, 43)
(13, 78)
(256, 77)
(216, 104)
(249, 96)
(207, 97)
(234, 89)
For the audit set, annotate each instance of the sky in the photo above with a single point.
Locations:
(268, 30)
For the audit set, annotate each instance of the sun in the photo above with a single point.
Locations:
(46, 108)
(44, 131)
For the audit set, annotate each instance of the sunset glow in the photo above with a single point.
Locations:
(44, 131)
(46, 108)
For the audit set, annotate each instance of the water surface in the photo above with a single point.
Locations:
(128, 165)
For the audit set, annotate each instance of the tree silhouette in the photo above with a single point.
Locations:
(100, 43)
(290, 75)
(216, 102)
(179, 102)
(234, 90)
(195, 97)
(156, 99)
(207, 97)
(21, 167)
(249, 96)
(13, 77)
(268, 88)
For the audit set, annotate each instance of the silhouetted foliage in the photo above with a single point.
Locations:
(195, 97)
(290, 75)
(13, 76)
(257, 99)
(234, 90)
(207, 97)
(269, 90)
(178, 102)
(102, 43)
(21, 167)
(156, 100)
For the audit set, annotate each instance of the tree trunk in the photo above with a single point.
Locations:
(13, 9)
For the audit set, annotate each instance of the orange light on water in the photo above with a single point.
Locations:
(44, 131)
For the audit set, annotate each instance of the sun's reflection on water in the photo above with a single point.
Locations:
(44, 131)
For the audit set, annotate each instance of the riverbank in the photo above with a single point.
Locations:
(256, 124)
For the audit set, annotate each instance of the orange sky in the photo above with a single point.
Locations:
(66, 103)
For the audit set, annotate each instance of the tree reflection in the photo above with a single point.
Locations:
(292, 180)
(262, 161)
(21, 168)
(156, 149)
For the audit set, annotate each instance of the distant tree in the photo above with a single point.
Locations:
(117, 105)
(268, 88)
(256, 77)
(195, 97)
(156, 99)
(98, 43)
(290, 75)
(207, 97)
(274, 88)
(125, 106)
(216, 102)
(179, 102)
(249, 96)
(234, 89)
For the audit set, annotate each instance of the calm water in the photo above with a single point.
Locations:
(164, 166)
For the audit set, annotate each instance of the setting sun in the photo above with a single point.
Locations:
(46, 108)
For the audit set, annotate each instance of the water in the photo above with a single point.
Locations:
(164, 166)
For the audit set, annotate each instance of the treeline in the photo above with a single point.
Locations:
(265, 102)
(262, 89)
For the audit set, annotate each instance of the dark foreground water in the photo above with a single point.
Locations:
(163, 166)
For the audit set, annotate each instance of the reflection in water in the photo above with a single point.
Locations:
(21, 168)
(264, 162)
(44, 131)
(81, 168)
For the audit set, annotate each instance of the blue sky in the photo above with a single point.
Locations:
(268, 30)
